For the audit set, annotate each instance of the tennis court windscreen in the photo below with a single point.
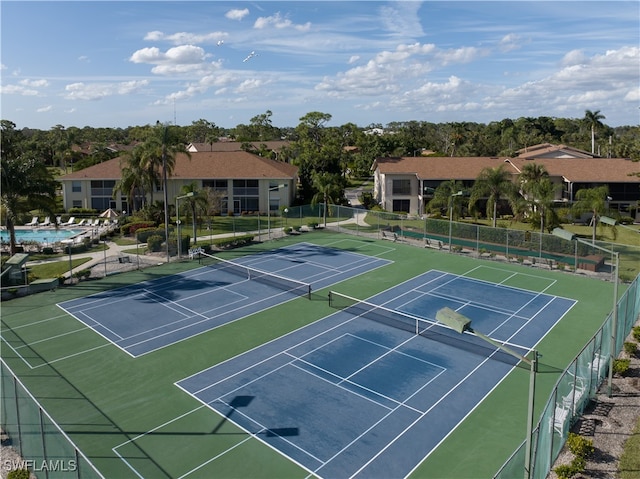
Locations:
(423, 327)
(280, 282)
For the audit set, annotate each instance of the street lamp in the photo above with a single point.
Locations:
(178, 198)
(451, 198)
(274, 188)
(164, 187)
(612, 222)
(461, 323)
(567, 235)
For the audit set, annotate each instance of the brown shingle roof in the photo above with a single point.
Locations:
(584, 170)
(205, 165)
(549, 150)
(275, 145)
(439, 167)
(588, 170)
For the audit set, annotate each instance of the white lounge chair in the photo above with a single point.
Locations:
(81, 223)
(33, 222)
(58, 220)
(96, 222)
(70, 222)
(46, 222)
(561, 419)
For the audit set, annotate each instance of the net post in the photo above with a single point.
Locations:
(330, 299)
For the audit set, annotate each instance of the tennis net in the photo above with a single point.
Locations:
(280, 282)
(424, 327)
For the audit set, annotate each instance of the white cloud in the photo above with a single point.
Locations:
(34, 83)
(574, 57)
(97, 91)
(84, 58)
(44, 109)
(461, 55)
(279, 22)
(183, 54)
(186, 38)
(237, 14)
(353, 59)
(17, 90)
(509, 42)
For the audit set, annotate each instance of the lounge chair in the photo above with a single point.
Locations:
(96, 222)
(33, 222)
(81, 223)
(58, 220)
(69, 222)
(46, 222)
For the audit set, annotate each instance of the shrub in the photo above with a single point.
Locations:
(19, 474)
(154, 242)
(47, 250)
(143, 234)
(580, 446)
(635, 332)
(630, 348)
(621, 366)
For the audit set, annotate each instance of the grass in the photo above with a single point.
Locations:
(629, 465)
(55, 269)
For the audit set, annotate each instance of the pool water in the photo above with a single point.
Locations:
(40, 235)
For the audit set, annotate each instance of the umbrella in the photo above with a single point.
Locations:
(110, 214)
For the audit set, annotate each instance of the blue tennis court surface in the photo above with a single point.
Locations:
(348, 396)
(154, 314)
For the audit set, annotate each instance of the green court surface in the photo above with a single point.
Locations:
(126, 414)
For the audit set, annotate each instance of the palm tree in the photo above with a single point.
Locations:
(442, 197)
(592, 119)
(196, 204)
(543, 195)
(329, 189)
(132, 182)
(592, 200)
(493, 184)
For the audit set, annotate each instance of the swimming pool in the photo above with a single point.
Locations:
(40, 235)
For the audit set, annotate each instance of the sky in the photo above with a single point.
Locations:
(125, 63)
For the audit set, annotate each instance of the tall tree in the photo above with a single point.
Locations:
(594, 201)
(328, 188)
(494, 184)
(26, 183)
(592, 119)
(442, 198)
(198, 203)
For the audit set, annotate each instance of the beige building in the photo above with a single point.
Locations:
(403, 184)
(245, 182)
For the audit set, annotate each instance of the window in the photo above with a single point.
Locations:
(401, 206)
(76, 204)
(76, 186)
(401, 187)
(246, 195)
(101, 192)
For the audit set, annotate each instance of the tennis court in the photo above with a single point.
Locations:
(359, 393)
(148, 316)
(302, 388)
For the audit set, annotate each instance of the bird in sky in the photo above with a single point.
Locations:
(249, 57)
(220, 42)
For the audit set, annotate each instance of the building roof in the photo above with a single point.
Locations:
(588, 170)
(585, 170)
(275, 145)
(438, 167)
(547, 150)
(203, 165)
